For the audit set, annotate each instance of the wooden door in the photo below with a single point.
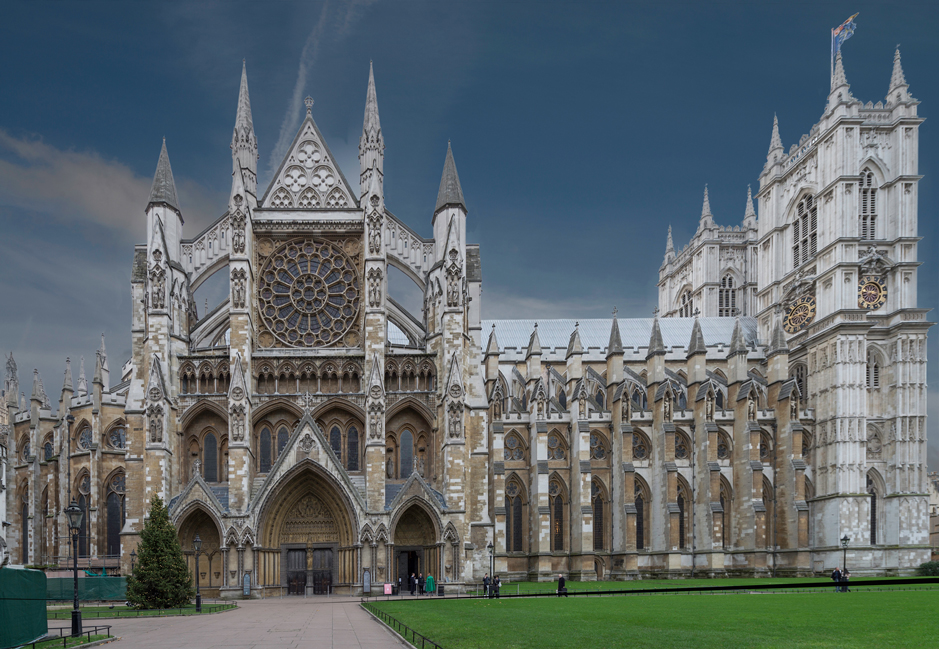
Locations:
(296, 572)
(322, 571)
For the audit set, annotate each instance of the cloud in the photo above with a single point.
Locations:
(82, 185)
(334, 26)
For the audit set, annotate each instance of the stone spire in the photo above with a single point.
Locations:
(492, 348)
(244, 143)
(778, 342)
(450, 192)
(37, 387)
(105, 372)
(534, 343)
(656, 343)
(67, 384)
(164, 187)
(749, 216)
(707, 219)
(737, 343)
(696, 344)
(82, 381)
(838, 78)
(840, 89)
(371, 142)
(574, 345)
(775, 143)
(899, 88)
(615, 346)
(97, 379)
(669, 246)
(12, 383)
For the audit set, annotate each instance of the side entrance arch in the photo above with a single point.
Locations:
(415, 543)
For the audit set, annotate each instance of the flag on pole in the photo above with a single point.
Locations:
(839, 35)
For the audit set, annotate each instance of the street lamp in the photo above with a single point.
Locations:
(74, 514)
(492, 569)
(844, 545)
(197, 544)
(133, 560)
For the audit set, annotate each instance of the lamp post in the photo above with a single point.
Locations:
(197, 544)
(133, 560)
(492, 569)
(74, 514)
(844, 546)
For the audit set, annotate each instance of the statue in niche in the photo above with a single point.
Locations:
(238, 280)
(793, 409)
(541, 406)
(709, 407)
(751, 408)
(238, 234)
(196, 468)
(420, 463)
(582, 403)
(390, 465)
(625, 413)
(667, 408)
(157, 288)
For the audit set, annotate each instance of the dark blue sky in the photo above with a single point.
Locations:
(580, 132)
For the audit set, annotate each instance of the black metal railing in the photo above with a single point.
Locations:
(65, 633)
(396, 625)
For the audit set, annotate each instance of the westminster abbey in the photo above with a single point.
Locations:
(320, 437)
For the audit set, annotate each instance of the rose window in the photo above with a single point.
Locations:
(309, 293)
(555, 450)
(323, 179)
(513, 449)
(309, 154)
(84, 439)
(640, 451)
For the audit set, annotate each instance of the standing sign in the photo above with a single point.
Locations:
(388, 588)
(366, 582)
(246, 589)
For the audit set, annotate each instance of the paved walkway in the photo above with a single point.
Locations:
(289, 623)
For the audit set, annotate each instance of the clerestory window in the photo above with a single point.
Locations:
(867, 195)
(804, 231)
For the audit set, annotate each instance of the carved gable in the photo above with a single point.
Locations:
(309, 177)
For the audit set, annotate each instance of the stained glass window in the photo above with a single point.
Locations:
(335, 440)
(555, 449)
(48, 451)
(352, 449)
(597, 450)
(513, 449)
(210, 458)
(84, 438)
(640, 517)
(681, 447)
(407, 454)
(597, 516)
(117, 437)
(282, 436)
(873, 522)
(558, 523)
(640, 448)
(264, 452)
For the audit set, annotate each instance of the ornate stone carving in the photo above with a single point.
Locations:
(751, 408)
(374, 287)
(238, 289)
(454, 273)
(667, 407)
(455, 420)
(374, 233)
(307, 443)
(376, 420)
(155, 423)
(709, 407)
(390, 465)
(157, 286)
(237, 423)
(238, 232)
(309, 521)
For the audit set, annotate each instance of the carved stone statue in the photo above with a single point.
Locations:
(157, 288)
(238, 281)
(667, 408)
(390, 467)
(626, 415)
(196, 468)
(238, 233)
(374, 233)
(751, 408)
(238, 423)
(420, 465)
(582, 403)
(793, 409)
(709, 407)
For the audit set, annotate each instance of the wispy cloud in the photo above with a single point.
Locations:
(81, 185)
(333, 27)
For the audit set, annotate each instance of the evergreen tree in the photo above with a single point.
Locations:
(160, 578)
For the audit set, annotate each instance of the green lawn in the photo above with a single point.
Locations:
(819, 619)
(120, 610)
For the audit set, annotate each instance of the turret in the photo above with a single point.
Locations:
(244, 143)
(697, 351)
(66, 398)
(899, 89)
(614, 353)
(707, 219)
(533, 354)
(737, 356)
(840, 89)
(669, 247)
(776, 151)
(371, 142)
(655, 357)
(749, 215)
(450, 206)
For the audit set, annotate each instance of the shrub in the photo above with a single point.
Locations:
(160, 578)
(928, 569)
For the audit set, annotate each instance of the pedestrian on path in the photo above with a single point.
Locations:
(836, 577)
(486, 584)
(562, 586)
(496, 584)
(412, 583)
(420, 583)
(430, 584)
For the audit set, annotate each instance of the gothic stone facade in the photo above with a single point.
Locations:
(316, 435)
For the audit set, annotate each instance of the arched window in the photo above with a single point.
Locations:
(406, 454)
(513, 517)
(597, 447)
(867, 196)
(48, 451)
(116, 514)
(84, 438)
(642, 503)
(84, 493)
(681, 518)
(335, 441)
(685, 305)
(352, 449)
(682, 447)
(514, 450)
(727, 298)
(210, 458)
(597, 496)
(800, 374)
(641, 449)
(640, 400)
(804, 232)
(599, 398)
(873, 492)
(873, 371)
(282, 436)
(719, 399)
(725, 514)
(117, 437)
(556, 447)
(264, 452)
(557, 516)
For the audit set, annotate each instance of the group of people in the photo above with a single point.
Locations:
(841, 577)
(492, 585)
(419, 585)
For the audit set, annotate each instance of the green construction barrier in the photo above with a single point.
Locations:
(89, 588)
(22, 606)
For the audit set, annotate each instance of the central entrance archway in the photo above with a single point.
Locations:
(307, 534)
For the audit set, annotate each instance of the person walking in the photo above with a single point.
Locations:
(430, 584)
(836, 577)
(486, 584)
(845, 577)
(412, 584)
(496, 584)
(420, 583)
(562, 586)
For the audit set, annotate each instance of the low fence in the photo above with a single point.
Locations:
(66, 613)
(65, 633)
(406, 632)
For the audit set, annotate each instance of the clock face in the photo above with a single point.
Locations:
(871, 292)
(800, 314)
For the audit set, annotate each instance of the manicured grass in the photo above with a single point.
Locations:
(69, 642)
(120, 610)
(801, 620)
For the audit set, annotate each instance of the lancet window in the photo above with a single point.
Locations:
(804, 231)
(867, 208)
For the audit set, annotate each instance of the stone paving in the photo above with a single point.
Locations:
(289, 623)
